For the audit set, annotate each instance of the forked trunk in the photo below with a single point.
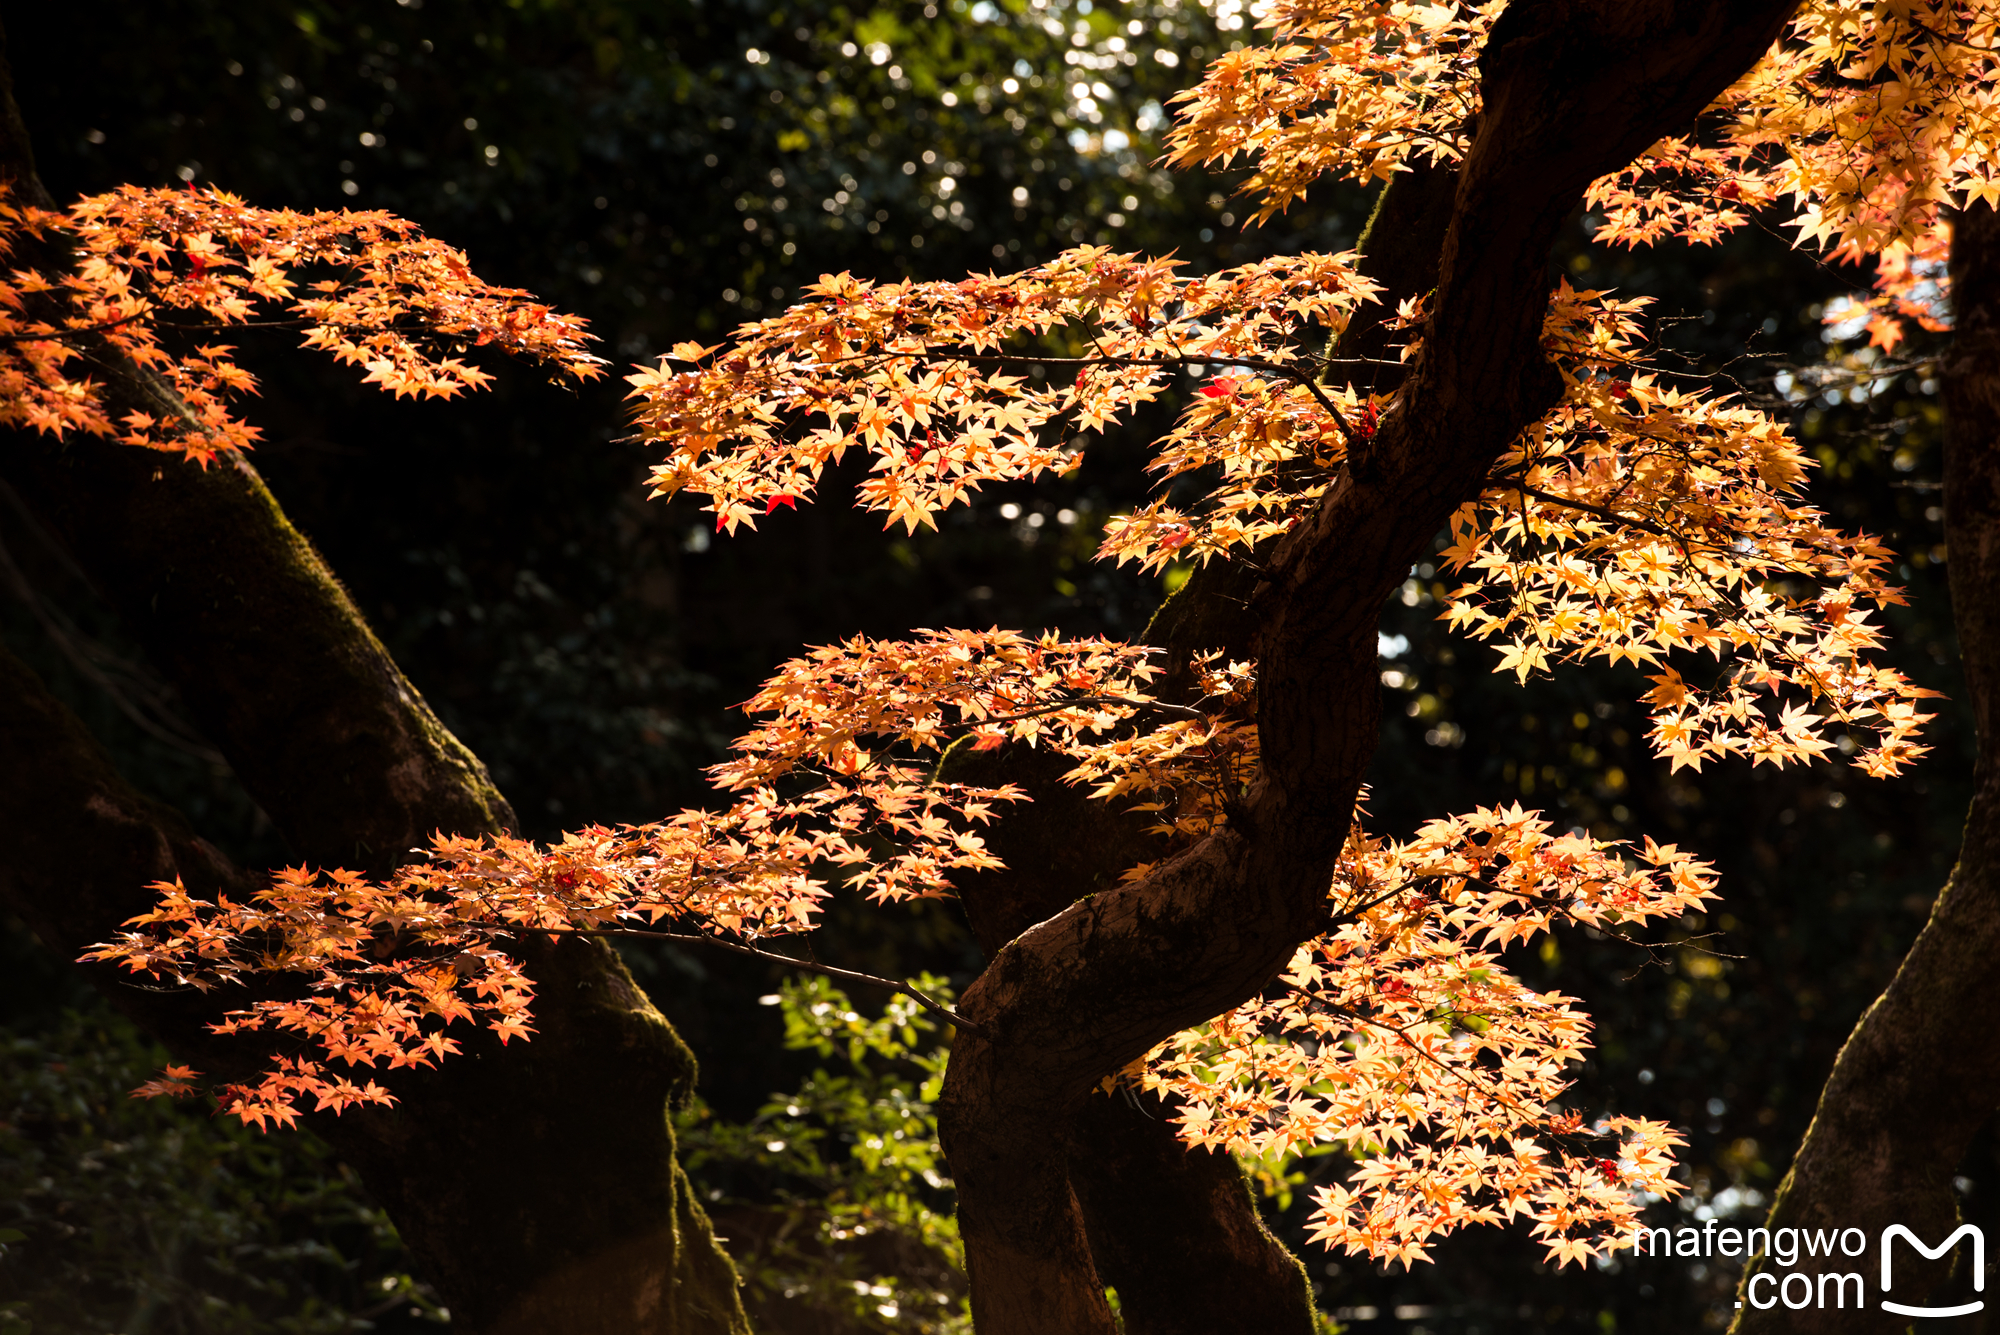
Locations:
(1570, 91)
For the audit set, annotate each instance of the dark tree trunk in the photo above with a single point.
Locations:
(1176, 1230)
(536, 1184)
(1571, 91)
(1172, 1229)
(1920, 1074)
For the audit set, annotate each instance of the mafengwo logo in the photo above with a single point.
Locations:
(1820, 1288)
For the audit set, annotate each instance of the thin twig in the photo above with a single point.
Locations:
(1584, 507)
(918, 995)
(1129, 701)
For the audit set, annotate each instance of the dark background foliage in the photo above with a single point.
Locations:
(669, 169)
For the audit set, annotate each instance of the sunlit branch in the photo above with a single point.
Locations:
(1133, 702)
(1293, 372)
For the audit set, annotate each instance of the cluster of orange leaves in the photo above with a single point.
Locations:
(1637, 520)
(1186, 768)
(1399, 1036)
(948, 385)
(1353, 90)
(831, 778)
(1874, 120)
(1640, 520)
(146, 276)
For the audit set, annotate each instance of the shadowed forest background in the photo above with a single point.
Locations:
(667, 170)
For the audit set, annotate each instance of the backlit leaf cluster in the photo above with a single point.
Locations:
(1641, 521)
(948, 385)
(1400, 1036)
(144, 278)
(1868, 123)
(1353, 91)
(832, 782)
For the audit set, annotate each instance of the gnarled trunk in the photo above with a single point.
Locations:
(1571, 91)
(1173, 1230)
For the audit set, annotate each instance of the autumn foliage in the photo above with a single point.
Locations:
(1646, 519)
(152, 275)
(1399, 1036)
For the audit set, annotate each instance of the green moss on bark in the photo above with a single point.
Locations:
(536, 1182)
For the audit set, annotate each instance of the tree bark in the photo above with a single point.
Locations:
(478, 1166)
(1401, 249)
(535, 1184)
(1920, 1074)
(83, 846)
(1173, 1230)
(1571, 91)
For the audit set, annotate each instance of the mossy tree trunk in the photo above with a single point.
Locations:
(536, 1184)
(1920, 1074)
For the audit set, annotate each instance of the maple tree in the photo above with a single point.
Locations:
(1598, 507)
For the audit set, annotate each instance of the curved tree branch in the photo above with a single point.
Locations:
(1571, 90)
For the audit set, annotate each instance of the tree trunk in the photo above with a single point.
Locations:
(1176, 1230)
(536, 1184)
(1920, 1074)
(1173, 1230)
(1571, 91)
